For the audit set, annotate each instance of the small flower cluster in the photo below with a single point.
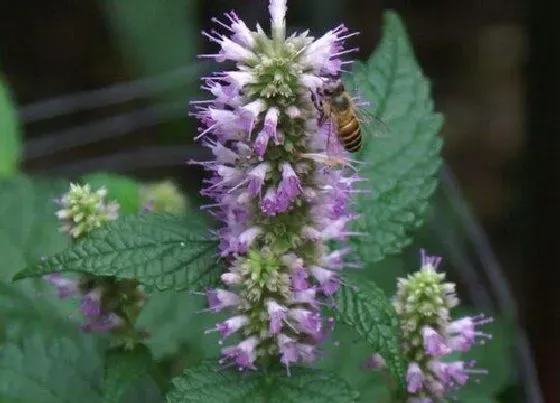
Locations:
(276, 189)
(162, 197)
(83, 210)
(429, 335)
(106, 303)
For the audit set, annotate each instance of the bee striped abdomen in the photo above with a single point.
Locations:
(349, 131)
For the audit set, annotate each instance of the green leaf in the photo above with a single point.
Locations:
(44, 369)
(163, 251)
(346, 356)
(401, 167)
(122, 189)
(176, 320)
(369, 312)
(29, 230)
(128, 372)
(206, 384)
(10, 134)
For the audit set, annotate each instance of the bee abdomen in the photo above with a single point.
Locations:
(350, 134)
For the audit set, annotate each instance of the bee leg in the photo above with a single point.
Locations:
(318, 104)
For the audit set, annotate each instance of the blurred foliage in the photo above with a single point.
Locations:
(10, 136)
(155, 36)
(122, 189)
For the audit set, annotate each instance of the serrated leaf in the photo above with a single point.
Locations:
(122, 189)
(44, 369)
(10, 136)
(366, 308)
(205, 384)
(400, 168)
(163, 251)
(127, 372)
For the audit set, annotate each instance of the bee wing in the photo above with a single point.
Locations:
(371, 124)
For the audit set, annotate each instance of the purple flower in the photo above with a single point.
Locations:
(299, 279)
(375, 361)
(462, 332)
(290, 185)
(219, 299)
(261, 143)
(101, 324)
(232, 325)
(434, 343)
(268, 203)
(288, 350)
(327, 279)
(91, 303)
(276, 316)
(271, 122)
(230, 278)
(432, 261)
(65, 287)
(249, 113)
(256, 177)
(244, 354)
(414, 378)
(305, 295)
(307, 321)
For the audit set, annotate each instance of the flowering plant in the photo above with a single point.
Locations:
(279, 260)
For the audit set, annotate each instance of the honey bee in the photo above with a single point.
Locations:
(336, 104)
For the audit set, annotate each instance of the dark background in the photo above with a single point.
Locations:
(494, 66)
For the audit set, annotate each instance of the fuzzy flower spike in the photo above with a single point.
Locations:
(275, 188)
(423, 303)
